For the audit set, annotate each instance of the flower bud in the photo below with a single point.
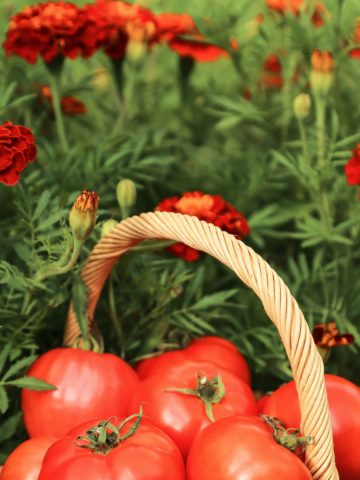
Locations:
(136, 52)
(108, 226)
(126, 195)
(321, 75)
(302, 105)
(82, 216)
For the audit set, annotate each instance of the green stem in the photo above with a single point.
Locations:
(320, 130)
(54, 269)
(304, 142)
(113, 314)
(54, 78)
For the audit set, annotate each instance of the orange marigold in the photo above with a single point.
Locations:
(328, 336)
(210, 208)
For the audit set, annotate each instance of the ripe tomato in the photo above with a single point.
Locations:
(344, 403)
(25, 461)
(89, 385)
(242, 448)
(149, 454)
(182, 415)
(208, 349)
(261, 402)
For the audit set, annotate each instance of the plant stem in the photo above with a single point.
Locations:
(113, 314)
(54, 78)
(304, 141)
(320, 130)
(58, 270)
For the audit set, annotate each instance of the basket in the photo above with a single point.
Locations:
(279, 304)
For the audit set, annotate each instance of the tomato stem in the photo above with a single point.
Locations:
(288, 437)
(208, 391)
(105, 436)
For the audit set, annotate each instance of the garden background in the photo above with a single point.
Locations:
(224, 127)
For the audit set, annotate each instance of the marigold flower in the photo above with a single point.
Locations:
(271, 76)
(119, 23)
(82, 216)
(69, 105)
(328, 336)
(17, 149)
(51, 30)
(296, 6)
(173, 28)
(210, 208)
(352, 167)
(355, 52)
(321, 75)
(322, 61)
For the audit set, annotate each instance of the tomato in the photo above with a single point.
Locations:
(149, 454)
(344, 403)
(261, 402)
(182, 415)
(209, 349)
(89, 385)
(25, 461)
(242, 448)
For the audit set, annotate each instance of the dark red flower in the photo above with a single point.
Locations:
(69, 105)
(328, 336)
(17, 149)
(210, 208)
(51, 30)
(181, 34)
(118, 23)
(355, 52)
(352, 167)
(271, 76)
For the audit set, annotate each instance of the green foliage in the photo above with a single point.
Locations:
(304, 219)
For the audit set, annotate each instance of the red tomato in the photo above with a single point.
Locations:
(181, 416)
(344, 403)
(149, 454)
(261, 402)
(25, 461)
(89, 385)
(242, 448)
(205, 349)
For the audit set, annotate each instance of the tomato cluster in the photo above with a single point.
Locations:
(187, 414)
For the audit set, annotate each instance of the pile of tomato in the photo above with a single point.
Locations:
(185, 414)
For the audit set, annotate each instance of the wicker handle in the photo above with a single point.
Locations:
(277, 300)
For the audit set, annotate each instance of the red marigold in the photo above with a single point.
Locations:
(352, 167)
(51, 30)
(17, 149)
(272, 72)
(295, 6)
(355, 52)
(210, 208)
(328, 336)
(173, 27)
(69, 105)
(118, 22)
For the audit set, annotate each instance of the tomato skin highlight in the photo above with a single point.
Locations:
(147, 455)
(24, 463)
(204, 349)
(181, 416)
(344, 403)
(89, 385)
(241, 448)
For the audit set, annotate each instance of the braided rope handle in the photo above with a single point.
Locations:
(281, 307)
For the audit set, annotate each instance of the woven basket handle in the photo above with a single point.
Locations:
(281, 307)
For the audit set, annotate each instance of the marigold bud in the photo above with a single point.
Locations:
(108, 226)
(321, 75)
(126, 194)
(302, 105)
(82, 216)
(136, 52)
